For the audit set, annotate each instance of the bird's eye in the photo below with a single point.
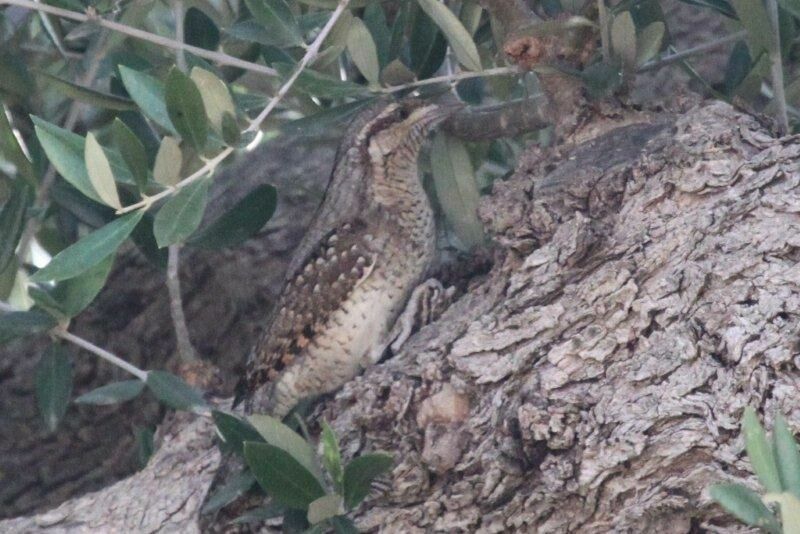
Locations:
(404, 113)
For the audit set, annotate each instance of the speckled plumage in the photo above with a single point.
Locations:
(371, 243)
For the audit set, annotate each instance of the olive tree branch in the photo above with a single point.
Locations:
(136, 33)
(211, 164)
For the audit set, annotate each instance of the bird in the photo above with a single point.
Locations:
(357, 276)
(372, 242)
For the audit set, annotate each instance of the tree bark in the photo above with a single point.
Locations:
(644, 291)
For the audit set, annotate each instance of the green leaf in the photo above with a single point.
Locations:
(87, 95)
(100, 174)
(786, 455)
(279, 435)
(90, 250)
(363, 51)
(14, 76)
(75, 294)
(789, 507)
(649, 42)
(285, 479)
(359, 474)
(246, 218)
(185, 108)
(144, 445)
(325, 508)
(760, 452)
(200, 30)
(261, 514)
(753, 16)
(317, 84)
(216, 97)
(173, 391)
(180, 216)
(231, 133)
(53, 385)
(24, 323)
(459, 38)
(456, 188)
(601, 79)
(375, 20)
(331, 455)
(8, 278)
(343, 525)
(232, 490)
(11, 150)
(148, 93)
(276, 17)
(167, 169)
(426, 43)
(132, 152)
(329, 118)
(113, 393)
(745, 505)
(65, 151)
(12, 219)
(234, 431)
(623, 39)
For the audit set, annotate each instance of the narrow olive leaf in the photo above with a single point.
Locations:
(113, 393)
(200, 29)
(363, 51)
(760, 452)
(169, 158)
(789, 507)
(396, 73)
(8, 278)
(649, 42)
(426, 44)
(216, 97)
(359, 474)
(132, 152)
(329, 118)
(753, 16)
(456, 188)
(19, 324)
(231, 133)
(745, 505)
(343, 525)
(786, 455)
(277, 18)
(375, 19)
(459, 38)
(144, 445)
(87, 95)
(173, 391)
(331, 455)
(12, 219)
(470, 15)
(148, 93)
(100, 173)
(180, 216)
(229, 492)
(317, 84)
(261, 514)
(324, 508)
(186, 109)
(234, 431)
(623, 39)
(246, 218)
(75, 294)
(90, 250)
(279, 435)
(53, 385)
(285, 479)
(11, 150)
(65, 151)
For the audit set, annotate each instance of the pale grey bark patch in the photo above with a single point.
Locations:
(645, 290)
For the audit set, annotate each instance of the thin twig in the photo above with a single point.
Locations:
(498, 71)
(186, 351)
(776, 67)
(219, 57)
(212, 164)
(673, 58)
(177, 10)
(605, 30)
(104, 354)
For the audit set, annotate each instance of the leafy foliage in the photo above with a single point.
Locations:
(776, 463)
(312, 489)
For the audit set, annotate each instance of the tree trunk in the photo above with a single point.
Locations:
(644, 291)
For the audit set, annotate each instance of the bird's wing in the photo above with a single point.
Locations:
(343, 258)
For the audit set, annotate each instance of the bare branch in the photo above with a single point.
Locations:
(776, 67)
(186, 350)
(219, 57)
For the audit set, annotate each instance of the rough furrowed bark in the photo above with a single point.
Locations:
(645, 291)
